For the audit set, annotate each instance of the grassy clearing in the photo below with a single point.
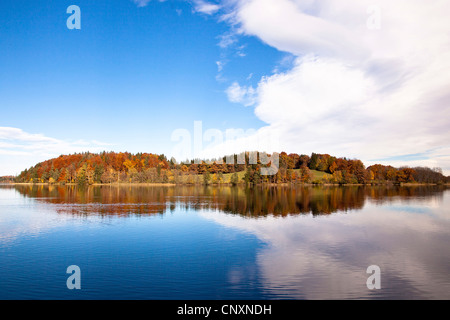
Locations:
(317, 175)
(227, 176)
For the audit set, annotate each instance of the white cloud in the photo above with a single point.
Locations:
(227, 40)
(10, 134)
(205, 7)
(353, 91)
(240, 51)
(23, 149)
(220, 65)
(141, 3)
(244, 95)
(313, 90)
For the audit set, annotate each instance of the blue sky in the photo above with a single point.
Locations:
(138, 70)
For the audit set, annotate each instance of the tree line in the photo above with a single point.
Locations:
(124, 167)
(7, 179)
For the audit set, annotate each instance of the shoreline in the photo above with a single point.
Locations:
(95, 184)
(284, 184)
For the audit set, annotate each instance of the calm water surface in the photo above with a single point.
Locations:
(224, 242)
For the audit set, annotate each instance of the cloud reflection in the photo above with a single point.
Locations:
(304, 255)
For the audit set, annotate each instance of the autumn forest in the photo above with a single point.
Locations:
(112, 167)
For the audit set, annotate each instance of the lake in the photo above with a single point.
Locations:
(161, 242)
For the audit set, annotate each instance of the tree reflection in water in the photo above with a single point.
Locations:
(249, 202)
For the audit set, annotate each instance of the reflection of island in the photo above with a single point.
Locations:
(251, 202)
(403, 230)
